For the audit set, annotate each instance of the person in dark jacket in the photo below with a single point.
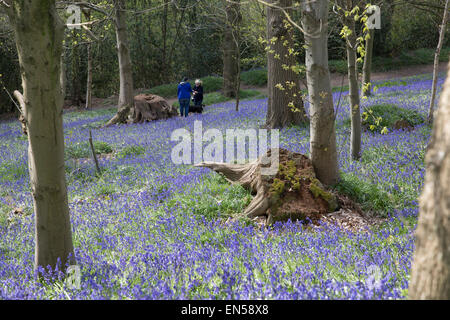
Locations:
(198, 93)
(184, 96)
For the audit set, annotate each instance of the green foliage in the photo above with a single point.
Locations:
(247, 94)
(133, 150)
(367, 194)
(339, 66)
(210, 84)
(380, 116)
(403, 59)
(318, 191)
(390, 83)
(83, 149)
(256, 61)
(10, 171)
(213, 198)
(413, 27)
(277, 187)
(257, 77)
(104, 188)
(4, 215)
(217, 97)
(408, 58)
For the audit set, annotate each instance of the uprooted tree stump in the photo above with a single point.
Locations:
(149, 107)
(293, 192)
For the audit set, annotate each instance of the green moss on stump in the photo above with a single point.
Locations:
(318, 191)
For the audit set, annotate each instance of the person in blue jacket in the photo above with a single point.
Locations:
(184, 96)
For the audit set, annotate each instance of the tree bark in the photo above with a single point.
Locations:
(231, 49)
(75, 74)
(126, 94)
(367, 67)
(89, 70)
(89, 77)
(355, 113)
(39, 34)
(322, 117)
(436, 62)
(292, 192)
(430, 277)
(63, 77)
(285, 105)
(164, 71)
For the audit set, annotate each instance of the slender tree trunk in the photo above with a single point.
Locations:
(367, 67)
(322, 117)
(89, 77)
(436, 62)
(230, 49)
(430, 278)
(355, 113)
(75, 79)
(164, 37)
(63, 76)
(285, 105)
(126, 95)
(39, 35)
(89, 70)
(238, 81)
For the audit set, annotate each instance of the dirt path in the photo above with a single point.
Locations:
(338, 78)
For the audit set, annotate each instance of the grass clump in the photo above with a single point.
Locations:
(367, 194)
(391, 83)
(256, 77)
(381, 116)
(10, 171)
(132, 150)
(213, 198)
(83, 149)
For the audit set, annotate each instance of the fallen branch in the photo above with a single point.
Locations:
(93, 153)
(22, 118)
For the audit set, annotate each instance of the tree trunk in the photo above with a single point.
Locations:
(436, 62)
(39, 35)
(367, 67)
(322, 117)
(230, 49)
(430, 277)
(238, 82)
(164, 70)
(89, 77)
(285, 105)
(75, 74)
(291, 192)
(126, 94)
(63, 77)
(89, 70)
(355, 113)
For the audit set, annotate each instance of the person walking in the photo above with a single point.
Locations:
(198, 93)
(184, 96)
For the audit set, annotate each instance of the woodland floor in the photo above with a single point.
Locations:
(149, 229)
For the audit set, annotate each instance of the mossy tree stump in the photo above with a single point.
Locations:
(293, 192)
(149, 107)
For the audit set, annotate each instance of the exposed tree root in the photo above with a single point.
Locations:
(147, 107)
(293, 192)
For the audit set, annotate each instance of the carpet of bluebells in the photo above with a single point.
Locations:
(149, 229)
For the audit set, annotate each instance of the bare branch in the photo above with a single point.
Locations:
(21, 100)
